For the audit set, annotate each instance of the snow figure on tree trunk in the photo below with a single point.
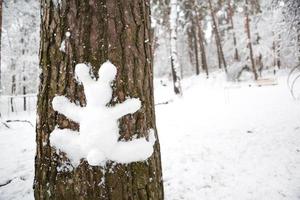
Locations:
(97, 140)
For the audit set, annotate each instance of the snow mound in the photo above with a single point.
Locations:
(97, 139)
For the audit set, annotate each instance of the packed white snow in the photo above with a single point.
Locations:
(219, 141)
(62, 47)
(17, 151)
(97, 139)
(225, 141)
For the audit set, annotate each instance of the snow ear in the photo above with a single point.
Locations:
(107, 72)
(82, 71)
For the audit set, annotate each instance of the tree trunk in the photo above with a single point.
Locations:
(195, 41)
(221, 56)
(278, 51)
(24, 93)
(13, 92)
(174, 56)
(94, 31)
(249, 40)
(202, 47)
(230, 16)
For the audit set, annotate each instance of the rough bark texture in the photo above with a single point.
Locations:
(95, 31)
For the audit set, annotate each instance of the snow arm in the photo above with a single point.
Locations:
(133, 151)
(62, 105)
(129, 106)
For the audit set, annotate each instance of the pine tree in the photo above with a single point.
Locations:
(93, 32)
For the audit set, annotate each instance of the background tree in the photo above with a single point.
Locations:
(230, 13)
(174, 53)
(201, 37)
(249, 43)
(292, 16)
(221, 57)
(92, 32)
(196, 41)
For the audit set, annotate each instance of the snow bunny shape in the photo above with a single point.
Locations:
(97, 140)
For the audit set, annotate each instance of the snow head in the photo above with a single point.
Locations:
(107, 73)
(97, 140)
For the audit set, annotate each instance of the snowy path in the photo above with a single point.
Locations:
(239, 143)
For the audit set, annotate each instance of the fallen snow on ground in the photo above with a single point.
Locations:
(17, 151)
(227, 141)
(219, 141)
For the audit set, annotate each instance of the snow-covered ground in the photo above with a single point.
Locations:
(230, 142)
(218, 141)
(17, 151)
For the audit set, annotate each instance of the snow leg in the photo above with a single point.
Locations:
(133, 151)
(62, 105)
(129, 106)
(67, 141)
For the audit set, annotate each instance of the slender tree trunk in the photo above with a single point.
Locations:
(24, 93)
(274, 54)
(202, 47)
(195, 41)
(278, 51)
(95, 31)
(13, 92)
(221, 56)
(230, 16)
(249, 39)
(24, 80)
(174, 55)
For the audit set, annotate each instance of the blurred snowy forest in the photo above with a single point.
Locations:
(20, 46)
(202, 45)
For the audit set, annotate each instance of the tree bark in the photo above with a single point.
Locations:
(24, 93)
(221, 56)
(195, 42)
(249, 40)
(174, 55)
(202, 46)
(95, 31)
(13, 92)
